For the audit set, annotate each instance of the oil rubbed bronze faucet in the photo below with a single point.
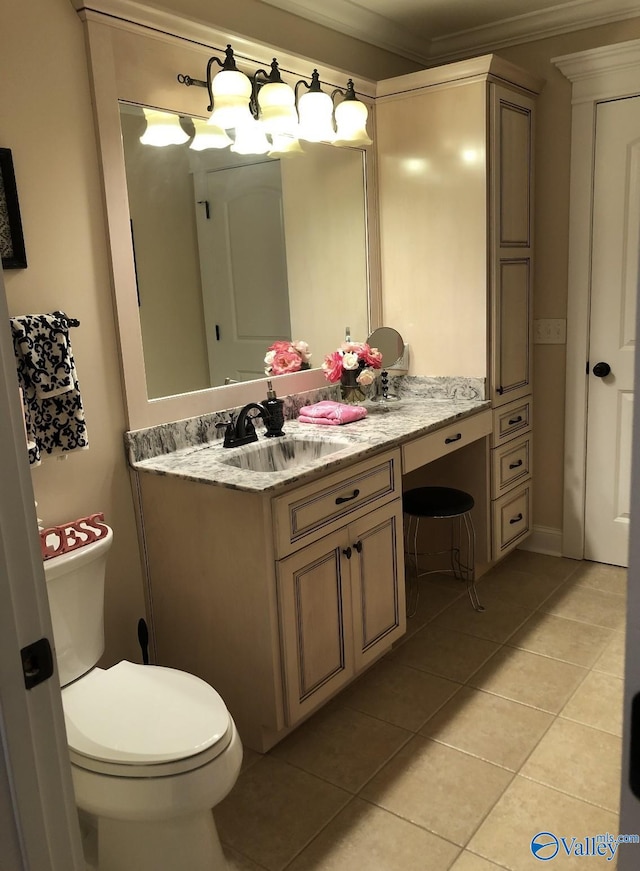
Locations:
(241, 431)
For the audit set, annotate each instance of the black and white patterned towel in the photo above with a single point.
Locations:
(47, 375)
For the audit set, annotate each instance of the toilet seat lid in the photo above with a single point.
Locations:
(141, 714)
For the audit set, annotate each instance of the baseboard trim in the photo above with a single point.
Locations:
(544, 539)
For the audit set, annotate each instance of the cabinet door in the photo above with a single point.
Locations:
(316, 624)
(511, 243)
(377, 582)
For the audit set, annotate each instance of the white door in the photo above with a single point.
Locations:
(244, 269)
(614, 286)
(38, 821)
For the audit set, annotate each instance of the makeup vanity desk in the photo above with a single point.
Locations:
(279, 588)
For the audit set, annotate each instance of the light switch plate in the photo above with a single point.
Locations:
(550, 331)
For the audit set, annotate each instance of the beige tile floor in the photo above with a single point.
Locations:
(455, 749)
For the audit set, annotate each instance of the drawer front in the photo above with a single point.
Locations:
(510, 464)
(443, 441)
(511, 519)
(310, 512)
(511, 420)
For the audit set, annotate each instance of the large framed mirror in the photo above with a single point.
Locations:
(196, 312)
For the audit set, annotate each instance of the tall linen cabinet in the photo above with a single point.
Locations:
(455, 164)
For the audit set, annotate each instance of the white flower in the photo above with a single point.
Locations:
(350, 361)
(366, 377)
(303, 349)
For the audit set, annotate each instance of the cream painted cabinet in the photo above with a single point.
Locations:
(455, 157)
(342, 605)
(279, 601)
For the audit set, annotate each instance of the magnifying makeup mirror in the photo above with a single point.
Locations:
(391, 345)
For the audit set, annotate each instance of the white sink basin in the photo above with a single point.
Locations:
(280, 454)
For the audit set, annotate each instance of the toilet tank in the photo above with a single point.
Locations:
(75, 586)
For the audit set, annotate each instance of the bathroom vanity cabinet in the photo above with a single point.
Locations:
(341, 594)
(455, 147)
(283, 599)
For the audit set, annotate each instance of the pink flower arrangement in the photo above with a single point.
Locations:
(350, 357)
(284, 356)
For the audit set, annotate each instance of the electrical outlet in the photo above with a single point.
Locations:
(550, 331)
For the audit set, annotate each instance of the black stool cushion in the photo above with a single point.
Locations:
(436, 502)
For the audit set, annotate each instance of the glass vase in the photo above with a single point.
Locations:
(352, 392)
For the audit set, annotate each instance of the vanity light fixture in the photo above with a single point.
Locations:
(315, 111)
(250, 139)
(208, 136)
(263, 105)
(284, 146)
(351, 118)
(276, 102)
(162, 129)
(229, 93)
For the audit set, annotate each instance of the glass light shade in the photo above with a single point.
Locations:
(250, 139)
(277, 103)
(162, 129)
(231, 91)
(284, 146)
(351, 123)
(208, 136)
(315, 110)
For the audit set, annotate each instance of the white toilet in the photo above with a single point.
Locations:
(152, 749)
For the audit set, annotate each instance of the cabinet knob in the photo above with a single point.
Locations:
(601, 370)
(347, 552)
(358, 546)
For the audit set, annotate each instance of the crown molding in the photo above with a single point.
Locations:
(602, 73)
(531, 26)
(370, 27)
(360, 23)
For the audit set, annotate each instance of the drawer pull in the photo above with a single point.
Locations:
(455, 438)
(515, 420)
(516, 519)
(515, 465)
(347, 552)
(341, 499)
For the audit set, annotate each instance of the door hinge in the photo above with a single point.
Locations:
(37, 662)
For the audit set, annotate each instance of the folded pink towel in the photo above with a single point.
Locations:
(330, 413)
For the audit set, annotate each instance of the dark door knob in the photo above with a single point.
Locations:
(601, 370)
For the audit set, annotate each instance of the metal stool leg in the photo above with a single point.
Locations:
(471, 563)
(413, 591)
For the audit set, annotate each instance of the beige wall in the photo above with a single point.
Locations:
(46, 120)
(553, 142)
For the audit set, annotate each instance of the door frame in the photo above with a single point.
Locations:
(38, 819)
(600, 74)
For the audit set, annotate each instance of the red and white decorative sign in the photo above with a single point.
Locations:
(57, 540)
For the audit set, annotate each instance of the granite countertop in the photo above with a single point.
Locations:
(384, 427)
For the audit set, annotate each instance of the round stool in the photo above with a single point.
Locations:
(443, 503)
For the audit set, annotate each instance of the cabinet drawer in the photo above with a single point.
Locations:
(307, 513)
(511, 420)
(443, 441)
(510, 464)
(511, 519)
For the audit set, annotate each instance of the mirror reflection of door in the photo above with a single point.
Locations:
(244, 268)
